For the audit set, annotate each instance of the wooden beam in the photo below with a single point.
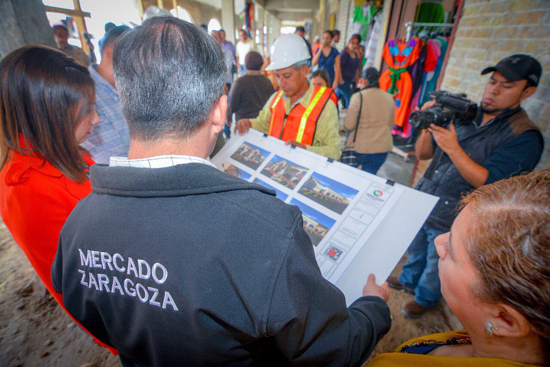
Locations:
(75, 13)
(81, 26)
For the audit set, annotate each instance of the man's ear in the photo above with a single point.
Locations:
(527, 93)
(108, 52)
(509, 322)
(218, 114)
(304, 70)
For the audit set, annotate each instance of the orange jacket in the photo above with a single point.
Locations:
(300, 124)
(35, 201)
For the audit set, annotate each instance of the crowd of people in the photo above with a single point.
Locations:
(106, 185)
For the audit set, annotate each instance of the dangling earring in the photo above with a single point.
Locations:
(489, 328)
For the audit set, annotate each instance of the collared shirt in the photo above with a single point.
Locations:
(229, 59)
(327, 139)
(159, 161)
(111, 137)
(243, 48)
(230, 47)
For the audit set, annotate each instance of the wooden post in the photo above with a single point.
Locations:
(81, 26)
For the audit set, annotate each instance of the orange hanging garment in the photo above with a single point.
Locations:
(399, 55)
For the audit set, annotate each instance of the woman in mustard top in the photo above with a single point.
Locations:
(495, 275)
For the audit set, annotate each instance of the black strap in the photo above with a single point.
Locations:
(358, 117)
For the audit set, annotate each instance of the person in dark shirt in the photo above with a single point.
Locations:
(501, 142)
(251, 91)
(350, 62)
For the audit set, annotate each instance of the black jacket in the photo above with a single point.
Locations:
(210, 270)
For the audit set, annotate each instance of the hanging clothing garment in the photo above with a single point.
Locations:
(431, 81)
(363, 16)
(399, 55)
(427, 61)
(372, 44)
(429, 11)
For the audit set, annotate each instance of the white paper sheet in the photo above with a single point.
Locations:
(357, 221)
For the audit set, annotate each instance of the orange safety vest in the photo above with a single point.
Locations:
(301, 123)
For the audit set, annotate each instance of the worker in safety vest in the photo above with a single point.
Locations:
(299, 113)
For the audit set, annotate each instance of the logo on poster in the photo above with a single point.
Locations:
(378, 193)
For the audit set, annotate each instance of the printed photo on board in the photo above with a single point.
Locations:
(316, 224)
(250, 155)
(327, 192)
(284, 172)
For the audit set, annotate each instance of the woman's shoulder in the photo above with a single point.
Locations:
(30, 174)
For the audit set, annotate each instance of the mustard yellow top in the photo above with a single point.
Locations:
(402, 358)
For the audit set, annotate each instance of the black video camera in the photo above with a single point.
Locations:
(448, 108)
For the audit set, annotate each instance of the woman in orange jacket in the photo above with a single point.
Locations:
(46, 111)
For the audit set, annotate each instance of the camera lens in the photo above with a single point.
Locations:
(421, 119)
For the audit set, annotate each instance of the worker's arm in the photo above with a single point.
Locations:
(424, 148)
(474, 173)
(317, 56)
(337, 73)
(260, 123)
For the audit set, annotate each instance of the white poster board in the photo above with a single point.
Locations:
(358, 223)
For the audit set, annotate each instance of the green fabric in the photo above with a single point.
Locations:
(395, 76)
(429, 12)
(364, 19)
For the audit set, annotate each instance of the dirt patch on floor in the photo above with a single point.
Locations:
(34, 330)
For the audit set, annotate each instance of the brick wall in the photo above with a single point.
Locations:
(490, 30)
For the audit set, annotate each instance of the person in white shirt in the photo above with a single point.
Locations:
(244, 46)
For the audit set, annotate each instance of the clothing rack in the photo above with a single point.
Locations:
(410, 25)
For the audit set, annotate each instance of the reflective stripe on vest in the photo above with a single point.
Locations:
(272, 107)
(306, 114)
(301, 122)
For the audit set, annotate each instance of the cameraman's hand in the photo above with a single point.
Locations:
(427, 105)
(242, 126)
(445, 139)
(373, 289)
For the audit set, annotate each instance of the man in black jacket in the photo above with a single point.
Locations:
(500, 143)
(174, 262)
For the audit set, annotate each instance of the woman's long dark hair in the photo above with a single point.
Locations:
(43, 95)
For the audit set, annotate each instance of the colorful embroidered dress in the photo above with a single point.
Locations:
(399, 55)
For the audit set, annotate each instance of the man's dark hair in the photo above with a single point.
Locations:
(109, 26)
(300, 29)
(169, 74)
(329, 32)
(336, 32)
(112, 36)
(60, 26)
(253, 61)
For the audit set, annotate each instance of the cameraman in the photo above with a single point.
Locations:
(501, 142)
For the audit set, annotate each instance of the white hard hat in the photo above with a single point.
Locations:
(287, 50)
(155, 11)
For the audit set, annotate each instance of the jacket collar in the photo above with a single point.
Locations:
(180, 180)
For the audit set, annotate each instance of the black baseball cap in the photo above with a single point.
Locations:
(518, 67)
